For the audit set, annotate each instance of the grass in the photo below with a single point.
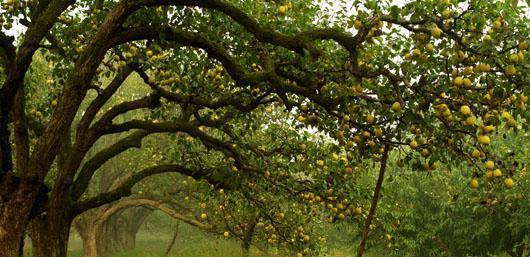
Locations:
(189, 244)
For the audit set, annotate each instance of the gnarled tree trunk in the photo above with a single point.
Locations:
(49, 236)
(16, 204)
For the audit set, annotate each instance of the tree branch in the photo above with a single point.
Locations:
(125, 188)
(100, 101)
(84, 176)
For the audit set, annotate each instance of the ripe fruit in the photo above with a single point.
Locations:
(282, 9)
(523, 45)
(204, 216)
(152, 80)
(358, 24)
(413, 144)
(464, 109)
(471, 120)
(514, 58)
(429, 47)
(370, 119)
(483, 67)
(467, 71)
(510, 70)
(226, 234)
(497, 173)
(348, 170)
(436, 32)
(301, 119)
(488, 129)
(149, 53)
(458, 81)
(508, 183)
(475, 153)
(496, 25)
(489, 165)
(473, 184)
(483, 139)
(467, 82)
(357, 210)
(396, 106)
(378, 132)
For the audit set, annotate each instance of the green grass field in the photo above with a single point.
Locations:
(191, 242)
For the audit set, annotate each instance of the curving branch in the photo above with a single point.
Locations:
(297, 43)
(86, 173)
(100, 101)
(151, 101)
(189, 128)
(125, 188)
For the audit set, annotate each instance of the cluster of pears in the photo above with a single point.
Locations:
(163, 78)
(305, 117)
(282, 9)
(491, 173)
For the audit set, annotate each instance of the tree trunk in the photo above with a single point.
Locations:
(90, 246)
(97, 229)
(247, 239)
(49, 236)
(375, 199)
(11, 232)
(122, 228)
(16, 204)
(173, 239)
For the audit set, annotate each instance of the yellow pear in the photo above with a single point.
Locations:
(464, 109)
(396, 106)
(508, 183)
(436, 32)
(484, 139)
(489, 165)
(473, 184)
(510, 70)
(497, 173)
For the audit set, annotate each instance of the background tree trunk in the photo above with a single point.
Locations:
(119, 231)
(173, 239)
(373, 207)
(247, 239)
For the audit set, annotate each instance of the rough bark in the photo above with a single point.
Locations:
(373, 207)
(16, 204)
(49, 236)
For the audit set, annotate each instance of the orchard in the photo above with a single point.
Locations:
(276, 128)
